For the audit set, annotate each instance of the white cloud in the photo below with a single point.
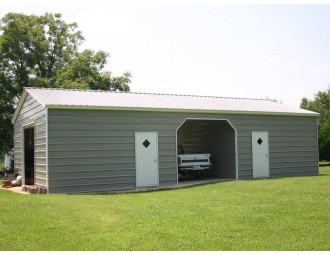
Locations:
(108, 29)
(321, 69)
(294, 95)
(282, 60)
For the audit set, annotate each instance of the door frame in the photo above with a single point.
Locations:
(157, 158)
(209, 119)
(267, 173)
(23, 128)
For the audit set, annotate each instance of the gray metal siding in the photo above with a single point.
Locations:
(292, 143)
(32, 113)
(91, 151)
(293, 147)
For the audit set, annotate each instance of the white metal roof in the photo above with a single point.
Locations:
(91, 99)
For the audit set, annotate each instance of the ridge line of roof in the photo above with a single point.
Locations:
(147, 93)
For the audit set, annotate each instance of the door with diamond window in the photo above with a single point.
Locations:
(260, 154)
(146, 157)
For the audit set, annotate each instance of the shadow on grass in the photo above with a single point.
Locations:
(324, 164)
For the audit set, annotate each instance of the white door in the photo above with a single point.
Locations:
(146, 156)
(260, 153)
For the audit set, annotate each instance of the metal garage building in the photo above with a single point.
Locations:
(92, 141)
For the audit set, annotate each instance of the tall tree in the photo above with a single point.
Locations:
(42, 51)
(84, 70)
(321, 104)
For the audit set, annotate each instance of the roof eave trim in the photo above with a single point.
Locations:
(113, 108)
(19, 106)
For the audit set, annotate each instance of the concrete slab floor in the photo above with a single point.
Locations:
(192, 182)
(16, 190)
(185, 181)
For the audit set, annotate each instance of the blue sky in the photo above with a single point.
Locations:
(242, 50)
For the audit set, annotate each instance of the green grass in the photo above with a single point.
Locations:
(268, 214)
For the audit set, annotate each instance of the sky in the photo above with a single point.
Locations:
(209, 48)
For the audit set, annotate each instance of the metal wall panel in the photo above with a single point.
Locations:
(32, 113)
(101, 143)
(88, 146)
(291, 139)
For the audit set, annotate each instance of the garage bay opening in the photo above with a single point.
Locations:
(202, 139)
(29, 155)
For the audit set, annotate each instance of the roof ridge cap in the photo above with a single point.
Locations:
(191, 95)
(149, 93)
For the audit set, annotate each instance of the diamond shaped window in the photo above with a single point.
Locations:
(259, 141)
(146, 143)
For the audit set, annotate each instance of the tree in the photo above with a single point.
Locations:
(85, 71)
(321, 104)
(42, 51)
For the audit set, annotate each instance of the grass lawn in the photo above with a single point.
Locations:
(268, 214)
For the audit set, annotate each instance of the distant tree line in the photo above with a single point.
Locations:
(321, 104)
